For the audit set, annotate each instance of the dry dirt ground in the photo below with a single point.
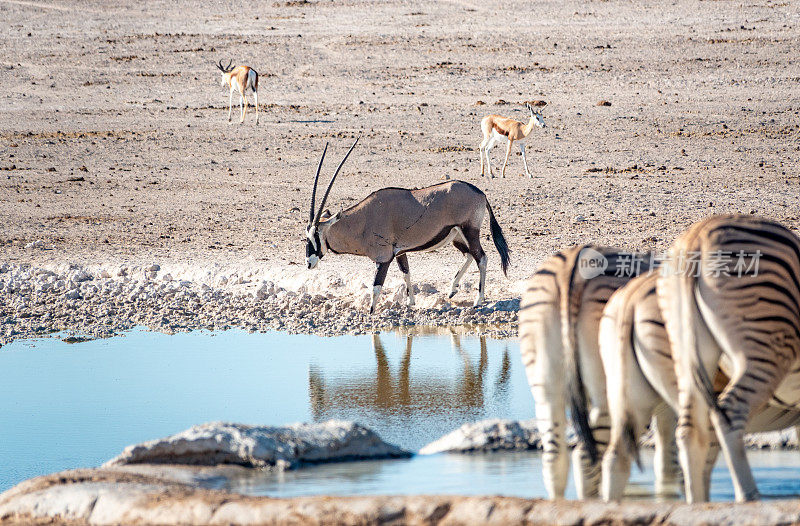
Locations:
(114, 143)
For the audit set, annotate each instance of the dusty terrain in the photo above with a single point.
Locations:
(115, 148)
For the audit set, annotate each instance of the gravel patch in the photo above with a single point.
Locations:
(38, 301)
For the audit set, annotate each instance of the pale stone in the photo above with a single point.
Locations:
(488, 435)
(261, 446)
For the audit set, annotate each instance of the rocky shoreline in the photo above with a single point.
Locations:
(170, 481)
(144, 496)
(100, 302)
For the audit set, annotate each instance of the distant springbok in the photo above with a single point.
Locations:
(393, 221)
(239, 78)
(496, 128)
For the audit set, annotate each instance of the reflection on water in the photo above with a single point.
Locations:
(67, 406)
(393, 398)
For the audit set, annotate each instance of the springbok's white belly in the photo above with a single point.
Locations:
(499, 137)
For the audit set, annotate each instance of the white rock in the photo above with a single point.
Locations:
(261, 446)
(266, 289)
(73, 294)
(488, 435)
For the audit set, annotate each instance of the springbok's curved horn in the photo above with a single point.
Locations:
(219, 66)
(228, 67)
(330, 185)
(314, 191)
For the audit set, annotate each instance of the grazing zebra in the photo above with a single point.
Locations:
(559, 318)
(748, 314)
(641, 386)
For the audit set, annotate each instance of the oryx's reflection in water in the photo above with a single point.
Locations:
(423, 401)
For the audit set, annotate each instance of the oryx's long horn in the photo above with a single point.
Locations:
(314, 191)
(330, 185)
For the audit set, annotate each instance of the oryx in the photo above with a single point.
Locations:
(393, 221)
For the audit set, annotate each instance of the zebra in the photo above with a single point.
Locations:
(642, 387)
(558, 323)
(749, 316)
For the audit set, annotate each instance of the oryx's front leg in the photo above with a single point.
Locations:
(377, 284)
(508, 152)
(524, 160)
(402, 262)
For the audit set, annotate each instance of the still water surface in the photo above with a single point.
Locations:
(65, 406)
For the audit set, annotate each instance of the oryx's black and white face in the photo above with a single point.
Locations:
(313, 246)
(318, 221)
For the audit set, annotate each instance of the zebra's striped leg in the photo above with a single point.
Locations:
(551, 420)
(586, 473)
(665, 463)
(693, 437)
(711, 460)
(540, 346)
(616, 463)
(737, 402)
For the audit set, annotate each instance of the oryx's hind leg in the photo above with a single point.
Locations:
(377, 284)
(473, 239)
(464, 249)
(402, 262)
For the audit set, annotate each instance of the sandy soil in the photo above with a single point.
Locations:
(115, 148)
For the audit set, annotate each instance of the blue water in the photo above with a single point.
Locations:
(65, 406)
(76, 405)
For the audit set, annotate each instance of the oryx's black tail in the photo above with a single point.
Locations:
(499, 240)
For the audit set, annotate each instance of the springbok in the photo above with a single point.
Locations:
(239, 78)
(496, 128)
(391, 222)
